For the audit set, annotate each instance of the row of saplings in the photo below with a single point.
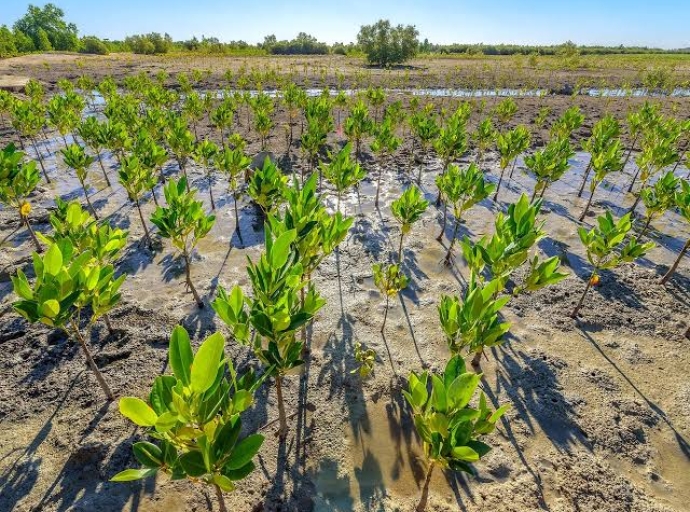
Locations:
(194, 415)
(143, 128)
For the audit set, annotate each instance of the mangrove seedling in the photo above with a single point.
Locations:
(473, 323)
(605, 160)
(205, 153)
(484, 137)
(184, 222)
(18, 180)
(342, 172)
(659, 197)
(357, 126)
(603, 132)
(549, 164)
(76, 158)
(385, 143)
(390, 281)
(606, 248)
(137, 180)
(505, 110)
(65, 284)
(90, 132)
(449, 427)
(366, 359)
(462, 189)
(194, 416)
(274, 311)
(267, 187)
(407, 210)
(234, 164)
(510, 145)
(181, 143)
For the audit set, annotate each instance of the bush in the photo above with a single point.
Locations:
(385, 45)
(93, 45)
(149, 44)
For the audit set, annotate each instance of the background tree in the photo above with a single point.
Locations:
(385, 45)
(47, 25)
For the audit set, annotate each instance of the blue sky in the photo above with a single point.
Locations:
(664, 23)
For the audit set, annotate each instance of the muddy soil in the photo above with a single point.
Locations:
(338, 71)
(599, 418)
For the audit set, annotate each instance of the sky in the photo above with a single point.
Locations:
(661, 23)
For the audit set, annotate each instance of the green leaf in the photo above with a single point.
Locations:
(52, 260)
(206, 361)
(193, 464)
(281, 248)
(129, 475)
(223, 482)
(239, 474)
(180, 354)
(227, 437)
(244, 451)
(148, 454)
(50, 308)
(138, 411)
(465, 453)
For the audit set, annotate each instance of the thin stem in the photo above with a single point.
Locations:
(237, 217)
(100, 162)
(40, 159)
(673, 268)
(385, 314)
(584, 179)
(400, 248)
(282, 431)
(25, 221)
(443, 225)
(512, 169)
(584, 294)
(106, 320)
(89, 360)
(500, 180)
(378, 186)
(221, 500)
(589, 203)
(143, 223)
(188, 276)
(452, 240)
(421, 506)
(88, 200)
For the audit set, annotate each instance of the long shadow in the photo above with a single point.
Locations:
(338, 362)
(487, 388)
(80, 486)
(683, 443)
(409, 325)
(535, 392)
(17, 481)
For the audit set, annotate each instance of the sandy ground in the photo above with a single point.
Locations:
(599, 418)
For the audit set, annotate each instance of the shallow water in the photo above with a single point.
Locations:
(480, 93)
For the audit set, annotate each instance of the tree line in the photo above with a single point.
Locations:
(45, 29)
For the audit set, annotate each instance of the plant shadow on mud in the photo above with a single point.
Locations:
(534, 390)
(79, 483)
(683, 443)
